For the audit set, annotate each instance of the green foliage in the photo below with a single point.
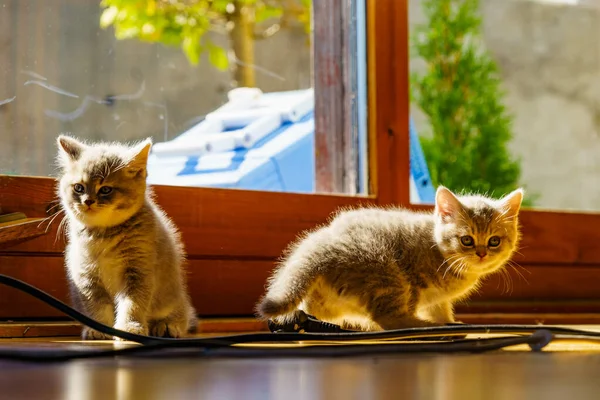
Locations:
(185, 23)
(461, 95)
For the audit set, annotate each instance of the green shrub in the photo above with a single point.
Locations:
(460, 94)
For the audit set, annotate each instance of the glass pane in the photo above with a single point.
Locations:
(505, 94)
(224, 88)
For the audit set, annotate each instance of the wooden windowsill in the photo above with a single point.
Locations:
(67, 328)
(15, 232)
(225, 326)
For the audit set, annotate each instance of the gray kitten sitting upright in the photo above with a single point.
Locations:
(124, 256)
(391, 269)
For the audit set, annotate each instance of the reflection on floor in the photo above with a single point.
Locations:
(564, 370)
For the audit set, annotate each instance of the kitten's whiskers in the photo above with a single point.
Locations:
(451, 266)
(514, 266)
(516, 251)
(463, 267)
(509, 281)
(61, 231)
(47, 218)
(54, 206)
(51, 218)
(452, 257)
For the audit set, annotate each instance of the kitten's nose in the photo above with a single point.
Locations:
(89, 202)
(481, 252)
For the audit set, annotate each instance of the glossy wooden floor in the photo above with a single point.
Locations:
(564, 371)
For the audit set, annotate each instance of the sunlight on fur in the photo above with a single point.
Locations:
(124, 256)
(378, 268)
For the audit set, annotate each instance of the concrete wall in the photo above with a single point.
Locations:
(549, 58)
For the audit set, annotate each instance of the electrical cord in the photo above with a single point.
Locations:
(182, 348)
(315, 343)
(303, 323)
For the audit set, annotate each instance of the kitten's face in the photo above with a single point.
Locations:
(102, 185)
(477, 234)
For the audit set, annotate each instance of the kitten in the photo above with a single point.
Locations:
(390, 269)
(124, 256)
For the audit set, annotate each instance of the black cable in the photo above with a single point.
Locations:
(85, 320)
(536, 342)
(451, 330)
(222, 346)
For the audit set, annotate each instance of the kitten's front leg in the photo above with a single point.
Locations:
(134, 300)
(392, 311)
(90, 298)
(442, 313)
(174, 325)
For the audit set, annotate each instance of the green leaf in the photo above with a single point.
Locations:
(264, 13)
(126, 32)
(108, 17)
(184, 23)
(191, 48)
(218, 57)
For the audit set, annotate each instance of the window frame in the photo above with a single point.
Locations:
(234, 237)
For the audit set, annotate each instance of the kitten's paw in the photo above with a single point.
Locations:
(90, 334)
(166, 329)
(132, 327)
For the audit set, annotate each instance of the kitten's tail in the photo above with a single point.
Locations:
(287, 289)
(293, 279)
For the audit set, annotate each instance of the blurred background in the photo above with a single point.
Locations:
(504, 92)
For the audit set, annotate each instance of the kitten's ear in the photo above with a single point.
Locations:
(512, 201)
(446, 203)
(139, 157)
(69, 149)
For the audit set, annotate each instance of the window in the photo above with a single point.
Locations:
(233, 237)
(522, 74)
(223, 87)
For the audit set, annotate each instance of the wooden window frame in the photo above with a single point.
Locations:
(233, 237)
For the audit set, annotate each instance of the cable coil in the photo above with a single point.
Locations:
(319, 338)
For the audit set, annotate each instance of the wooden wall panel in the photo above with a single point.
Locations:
(387, 80)
(221, 287)
(242, 224)
(214, 222)
(217, 287)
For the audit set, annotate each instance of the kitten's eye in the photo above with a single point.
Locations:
(467, 241)
(494, 241)
(105, 190)
(78, 188)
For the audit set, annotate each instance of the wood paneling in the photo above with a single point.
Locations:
(29, 329)
(214, 222)
(15, 232)
(217, 287)
(242, 224)
(221, 287)
(387, 79)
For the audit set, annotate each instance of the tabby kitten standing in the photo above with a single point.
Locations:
(390, 269)
(124, 256)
